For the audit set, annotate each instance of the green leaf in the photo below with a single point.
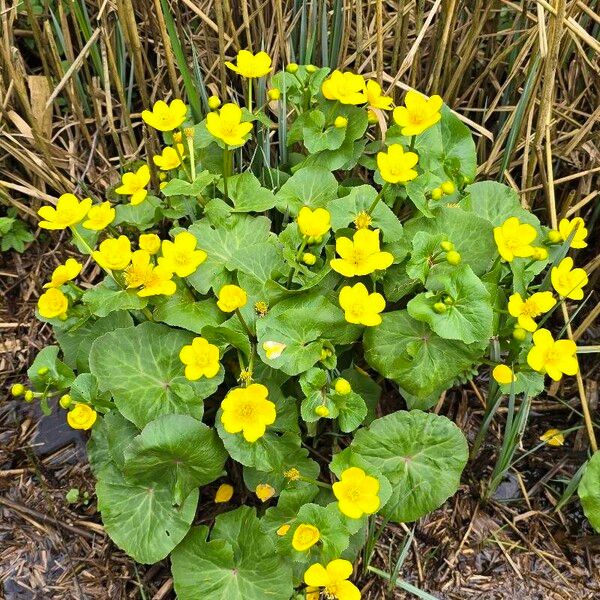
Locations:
(180, 187)
(108, 297)
(182, 310)
(425, 247)
(141, 518)
(58, 372)
(589, 491)
(176, 451)
(528, 383)
(142, 215)
(318, 136)
(311, 186)
(241, 242)
(302, 324)
(469, 318)
(77, 341)
(238, 563)
(471, 235)
(421, 454)
(111, 435)
(14, 234)
(141, 369)
(345, 210)
(407, 351)
(248, 195)
(352, 410)
(85, 389)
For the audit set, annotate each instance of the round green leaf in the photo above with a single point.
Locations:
(177, 451)
(141, 518)
(238, 563)
(140, 367)
(589, 491)
(421, 454)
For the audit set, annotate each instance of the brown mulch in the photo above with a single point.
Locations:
(513, 546)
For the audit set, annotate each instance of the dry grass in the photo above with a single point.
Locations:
(526, 77)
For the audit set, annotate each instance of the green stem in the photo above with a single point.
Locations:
(225, 172)
(315, 482)
(244, 324)
(250, 95)
(190, 143)
(377, 199)
(412, 143)
(298, 258)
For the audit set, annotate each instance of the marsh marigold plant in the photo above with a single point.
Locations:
(233, 305)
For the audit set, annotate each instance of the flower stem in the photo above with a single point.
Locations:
(225, 172)
(315, 482)
(244, 324)
(412, 143)
(250, 94)
(377, 198)
(298, 257)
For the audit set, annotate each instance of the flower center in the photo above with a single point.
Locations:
(530, 309)
(246, 411)
(202, 360)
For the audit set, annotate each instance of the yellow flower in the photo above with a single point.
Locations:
(64, 273)
(248, 410)
(166, 117)
(418, 113)
(201, 359)
(357, 493)
(227, 126)
(553, 437)
(360, 307)
(347, 88)
(281, 531)
(503, 374)
(314, 224)
(251, 65)
(231, 297)
(139, 270)
(363, 220)
(264, 491)
(180, 255)
(552, 357)
(134, 185)
(69, 211)
(159, 282)
(527, 310)
(114, 253)
(567, 281)
(224, 493)
(396, 166)
(273, 350)
(565, 228)
(100, 216)
(342, 386)
(52, 304)
(514, 239)
(149, 242)
(361, 255)
(169, 159)
(82, 416)
(375, 97)
(334, 579)
(305, 537)
(214, 102)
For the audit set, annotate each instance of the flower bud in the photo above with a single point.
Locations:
(274, 94)
(325, 354)
(448, 188)
(292, 68)
(311, 69)
(447, 246)
(177, 137)
(342, 386)
(214, 102)
(18, 389)
(43, 371)
(539, 253)
(453, 257)
(28, 396)
(372, 116)
(448, 300)
(519, 334)
(322, 411)
(309, 259)
(554, 237)
(65, 401)
(436, 193)
(340, 122)
(440, 308)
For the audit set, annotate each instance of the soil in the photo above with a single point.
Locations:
(514, 545)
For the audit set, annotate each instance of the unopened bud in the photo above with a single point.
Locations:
(436, 193)
(340, 122)
(18, 389)
(440, 308)
(322, 411)
(28, 396)
(309, 259)
(519, 334)
(453, 257)
(554, 237)
(65, 401)
(274, 94)
(447, 246)
(448, 188)
(292, 68)
(214, 102)
(342, 386)
(311, 68)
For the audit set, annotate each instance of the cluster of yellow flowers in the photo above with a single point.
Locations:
(515, 240)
